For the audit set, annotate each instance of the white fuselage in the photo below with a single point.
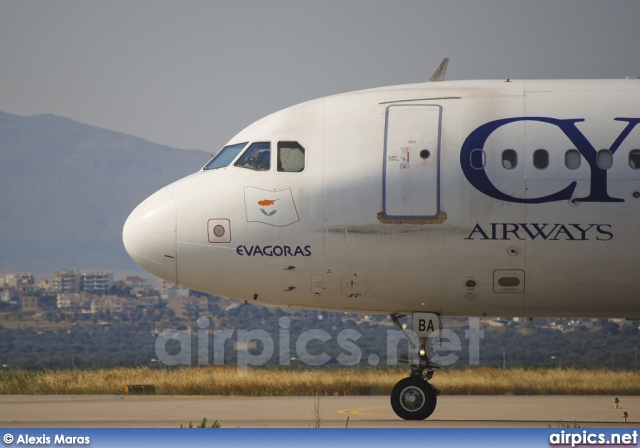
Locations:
(408, 202)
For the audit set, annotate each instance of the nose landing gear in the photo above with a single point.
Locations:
(414, 398)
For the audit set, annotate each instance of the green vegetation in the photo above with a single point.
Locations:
(62, 339)
(203, 424)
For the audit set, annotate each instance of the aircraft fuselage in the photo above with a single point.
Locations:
(492, 198)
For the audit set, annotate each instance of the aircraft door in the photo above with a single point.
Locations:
(411, 167)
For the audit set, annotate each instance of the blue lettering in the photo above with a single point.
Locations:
(494, 225)
(604, 232)
(599, 176)
(563, 229)
(474, 171)
(583, 232)
(505, 232)
(539, 231)
(546, 232)
(274, 251)
(478, 229)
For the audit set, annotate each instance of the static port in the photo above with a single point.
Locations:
(471, 283)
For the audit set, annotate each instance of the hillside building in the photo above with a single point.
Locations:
(97, 282)
(181, 306)
(23, 282)
(111, 305)
(29, 303)
(170, 291)
(66, 282)
(71, 300)
(140, 287)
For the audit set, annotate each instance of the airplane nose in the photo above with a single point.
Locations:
(149, 235)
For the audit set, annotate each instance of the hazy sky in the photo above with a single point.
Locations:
(191, 74)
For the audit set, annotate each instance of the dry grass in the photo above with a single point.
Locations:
(261, 382)
(487, 381)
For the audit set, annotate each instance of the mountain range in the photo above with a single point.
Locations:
(66, 189)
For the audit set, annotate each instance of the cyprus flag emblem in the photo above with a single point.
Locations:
(275, 208)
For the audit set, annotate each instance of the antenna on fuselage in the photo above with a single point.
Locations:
(438, 75)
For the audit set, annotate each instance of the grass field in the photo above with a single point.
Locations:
(265, 382)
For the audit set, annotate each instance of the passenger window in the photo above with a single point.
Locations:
(572, 159)
(541, 159)
(509, 159)
(256, 157)
(290, 157)
(634, 159)
(605, 159)
(477, 159)
(225, 156)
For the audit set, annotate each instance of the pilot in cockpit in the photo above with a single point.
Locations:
(262, 162)
(256, 157)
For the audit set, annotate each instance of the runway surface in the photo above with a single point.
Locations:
(297, 412)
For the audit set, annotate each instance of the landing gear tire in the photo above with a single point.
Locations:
(413, 399)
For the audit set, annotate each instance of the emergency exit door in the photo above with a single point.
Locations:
(411, 177)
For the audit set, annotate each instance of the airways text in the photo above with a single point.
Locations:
(543, 231)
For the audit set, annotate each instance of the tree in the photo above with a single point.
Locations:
(612, 328)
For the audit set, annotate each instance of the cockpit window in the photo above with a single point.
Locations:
(256, 157)
(225, 156)
(290, 157)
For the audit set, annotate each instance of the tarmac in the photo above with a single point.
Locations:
(134, 411)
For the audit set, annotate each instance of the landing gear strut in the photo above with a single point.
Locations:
(414, 398)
